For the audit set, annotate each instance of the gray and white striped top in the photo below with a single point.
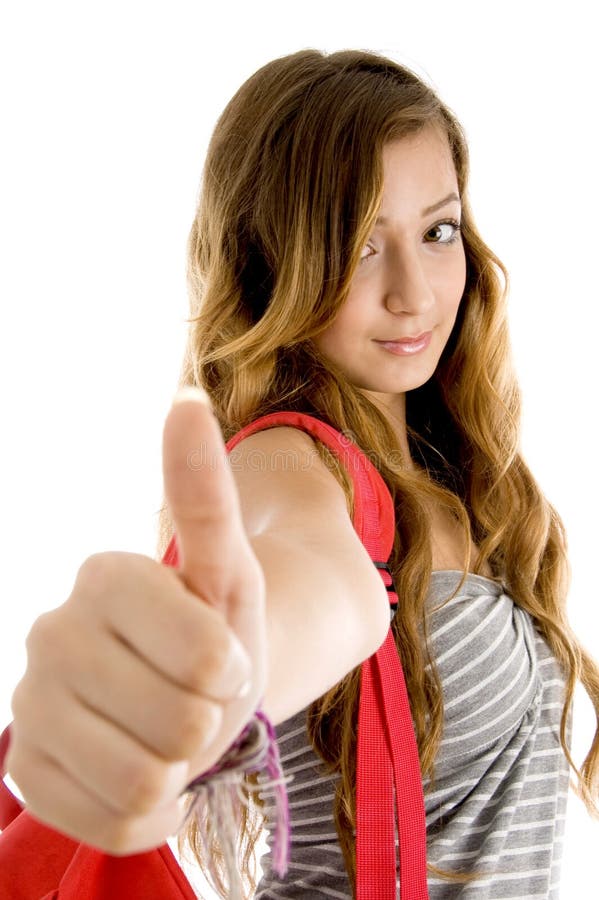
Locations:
(499, 798)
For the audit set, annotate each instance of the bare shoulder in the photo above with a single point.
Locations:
(282, 480)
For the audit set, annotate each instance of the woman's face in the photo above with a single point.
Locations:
(410, 278)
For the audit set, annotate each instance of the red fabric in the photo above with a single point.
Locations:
(39, 863)
(387, 754)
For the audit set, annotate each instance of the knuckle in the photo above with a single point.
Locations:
(18, 701)
(220, 660)
(129, 834)
(207, 662)
(215, 659)
(41, 632)
(96, 573)
(143, 787)
(26, 713)
(113, 834)
(44, 642)
(214, 504)
(224, 509)
(195, 725)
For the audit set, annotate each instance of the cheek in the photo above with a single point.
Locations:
(340, 332)
(327, 340)
(453, 289)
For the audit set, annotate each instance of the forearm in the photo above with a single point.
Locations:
(327, 611)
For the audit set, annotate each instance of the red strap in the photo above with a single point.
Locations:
(387, 753)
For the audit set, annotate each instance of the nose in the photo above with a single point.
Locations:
(408, 289)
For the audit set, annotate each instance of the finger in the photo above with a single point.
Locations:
(202, 497)
(57, 799)
(109, 763)
(151, 611)
(159, 716)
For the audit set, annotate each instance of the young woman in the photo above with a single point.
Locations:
(336, 271)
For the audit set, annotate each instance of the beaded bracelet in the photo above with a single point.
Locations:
(216, 806)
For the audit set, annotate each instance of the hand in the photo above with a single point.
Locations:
(131, 687)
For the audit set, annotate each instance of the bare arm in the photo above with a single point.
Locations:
(132, 685)
(326, 606)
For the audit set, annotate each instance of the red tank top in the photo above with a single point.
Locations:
(39, 863)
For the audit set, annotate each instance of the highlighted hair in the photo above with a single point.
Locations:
(291, 187)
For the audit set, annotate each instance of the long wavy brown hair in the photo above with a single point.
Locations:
(291, 186)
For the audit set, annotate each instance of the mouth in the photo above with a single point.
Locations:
(408, 339)
(406, 346)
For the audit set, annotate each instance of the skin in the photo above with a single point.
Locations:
(90, 758)
(409, 279)
(146, 674)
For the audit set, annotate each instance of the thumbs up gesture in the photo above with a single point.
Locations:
(146, 674)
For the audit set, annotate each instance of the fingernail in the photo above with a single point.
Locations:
(244, 689)
(192, 392)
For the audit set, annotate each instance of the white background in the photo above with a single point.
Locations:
(106, 113)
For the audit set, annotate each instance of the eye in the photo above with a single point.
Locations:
(454, 235)
(364, 258)
(449, 223)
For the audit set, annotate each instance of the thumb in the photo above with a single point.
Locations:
(202, 496)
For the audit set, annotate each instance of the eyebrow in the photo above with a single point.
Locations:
(382, 220)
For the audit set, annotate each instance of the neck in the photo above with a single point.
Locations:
(393, 407)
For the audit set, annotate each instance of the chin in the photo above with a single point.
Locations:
(396, 385)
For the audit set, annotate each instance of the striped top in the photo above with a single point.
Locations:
(499, 798)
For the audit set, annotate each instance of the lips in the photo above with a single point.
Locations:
(407, 346)
(409, 339)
